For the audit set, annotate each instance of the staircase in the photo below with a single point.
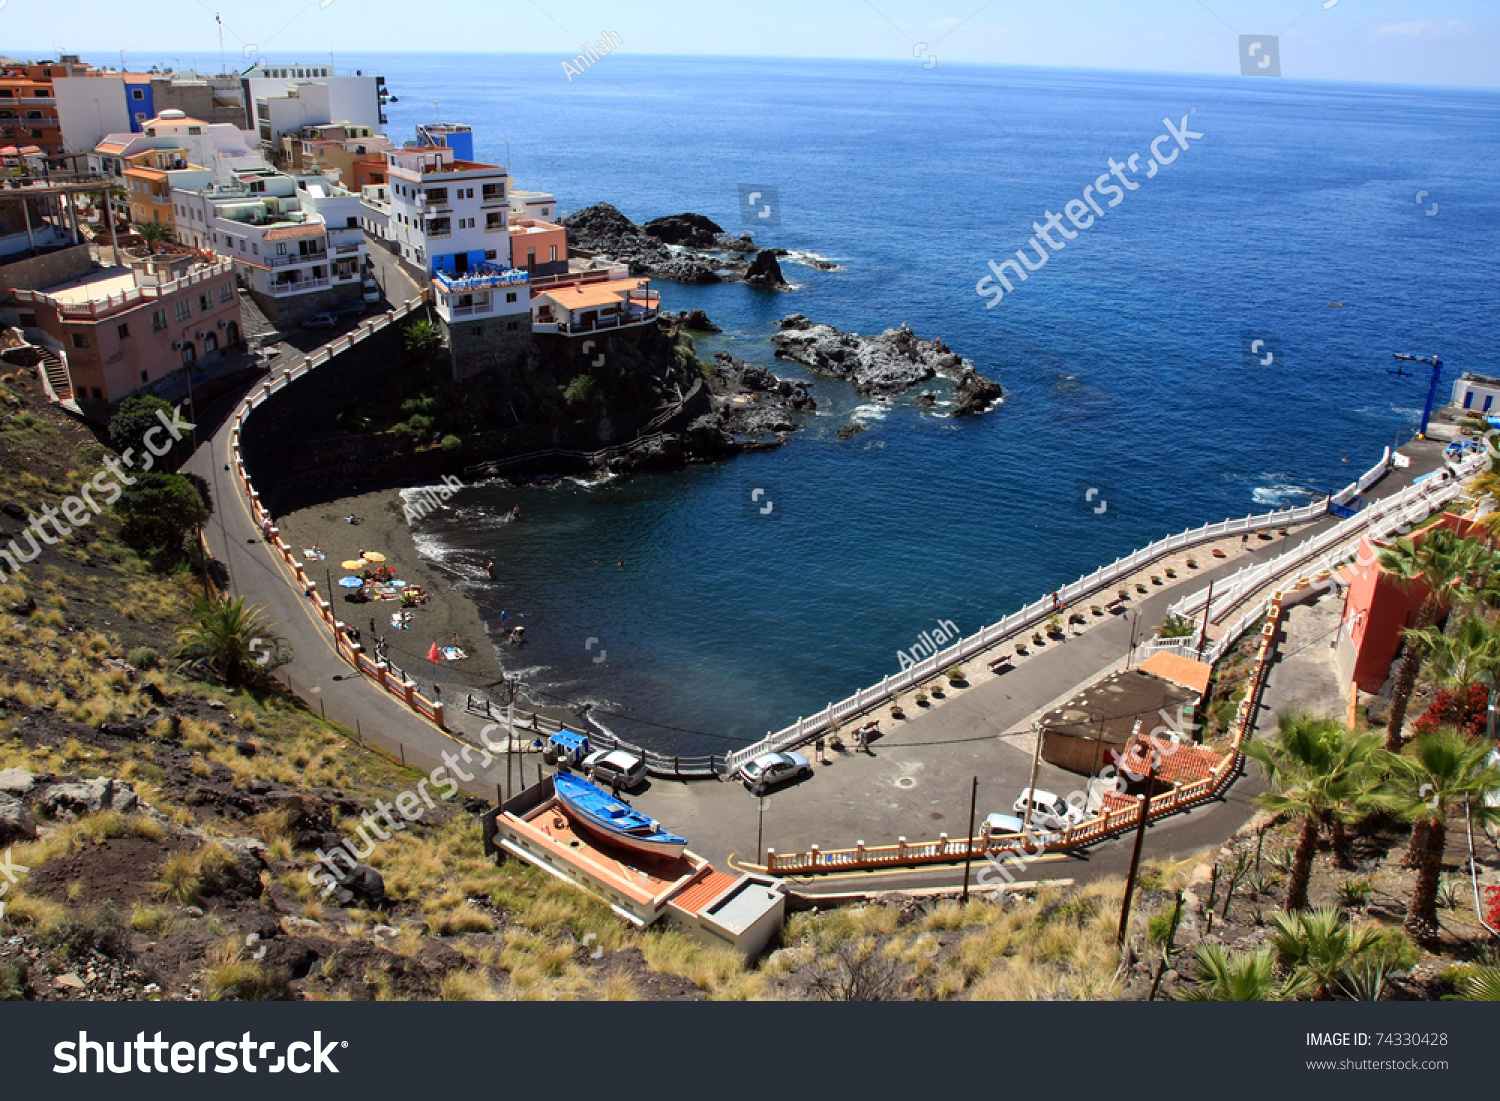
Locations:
(55, 369)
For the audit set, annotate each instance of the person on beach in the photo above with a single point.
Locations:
(489, 568)
(437, 691)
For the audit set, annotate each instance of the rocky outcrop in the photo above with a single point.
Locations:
(754, 403)
(693, 230)
(685, 248)
(16, 822)
(890, 363)
(694, 320)
(975, 394)
(764, 271)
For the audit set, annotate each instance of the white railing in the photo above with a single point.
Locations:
(806, 728)
(1313, 558)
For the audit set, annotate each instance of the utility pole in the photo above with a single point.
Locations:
(1135, 622)
(969, 843)
(1135, 856)
(1036, 763)
(1207, 608)
(764, 801)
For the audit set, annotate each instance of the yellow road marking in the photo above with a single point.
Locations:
(759, 869)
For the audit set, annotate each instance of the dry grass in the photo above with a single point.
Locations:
(466, 986)
(186, 877)
(90, 830)
(229, 977)
(719, 972)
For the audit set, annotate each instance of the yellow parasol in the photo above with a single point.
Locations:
(374, 556)
(353, 564)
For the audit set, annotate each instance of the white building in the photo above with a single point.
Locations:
(296, 240)
(536, 206)
(282, 104)
(89, 108)
(223, 149)
(1477, 393)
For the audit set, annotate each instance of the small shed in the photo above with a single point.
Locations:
(1090, 730)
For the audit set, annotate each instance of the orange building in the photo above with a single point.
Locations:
(1377, 608)
(28, 106)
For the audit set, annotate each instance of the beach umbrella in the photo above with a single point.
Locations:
(353, 564)
(351, 583)
(433, 654)
(374, 556)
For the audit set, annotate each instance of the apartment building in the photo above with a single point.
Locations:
(356, 153)
(295, 239)
(219, 147)
(28, 104)
(118, 331)
(281, 100)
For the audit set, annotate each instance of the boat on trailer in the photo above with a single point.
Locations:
(614, 820)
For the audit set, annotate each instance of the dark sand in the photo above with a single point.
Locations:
(448, 614)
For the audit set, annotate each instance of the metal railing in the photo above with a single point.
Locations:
(807, 728)
(666, 766)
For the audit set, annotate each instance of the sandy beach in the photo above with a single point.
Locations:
(448, 619)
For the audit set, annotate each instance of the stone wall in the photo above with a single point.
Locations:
(475, 346)
(37, 273)
(287, 312)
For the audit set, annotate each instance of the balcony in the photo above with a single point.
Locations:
(283, 261)
(302, 286)
(345, 250)
(482, 277)
(610, 321)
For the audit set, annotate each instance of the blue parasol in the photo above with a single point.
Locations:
(351, 583)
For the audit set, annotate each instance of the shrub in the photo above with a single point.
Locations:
(579, 390)
(144, 658)
(160, 512)
(134, 418)
(1472, 716)
(452, 443)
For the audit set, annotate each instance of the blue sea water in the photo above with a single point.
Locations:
(1122, 359)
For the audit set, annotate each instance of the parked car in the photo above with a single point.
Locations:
(607, 766)
(353, 308)
(320, 321)
(998, 825)
(771, 769)
(1048, 811)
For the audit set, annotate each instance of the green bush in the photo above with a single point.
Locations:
(579, 390)
(452, 443)
(143, 657)
(160, 512)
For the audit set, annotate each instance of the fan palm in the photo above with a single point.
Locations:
(1443, 562)
(1482, 986)
(1319, 770)
(1246, 977)
(1468, 656)
(1317, 947)
(153, 233)
(232, 639)
(1436, 774)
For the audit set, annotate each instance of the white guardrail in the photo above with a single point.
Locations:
(804, 729)
(1309, 559)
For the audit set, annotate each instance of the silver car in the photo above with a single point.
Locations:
(770, 769)
(608, 767)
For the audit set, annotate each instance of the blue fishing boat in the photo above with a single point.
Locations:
(613, 820)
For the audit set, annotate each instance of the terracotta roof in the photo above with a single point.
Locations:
(288, 233)
(593, 294)
(698, 895)
(1179, 670)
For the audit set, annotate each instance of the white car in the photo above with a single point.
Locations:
(1048, 811)
(609, 766)
(770, 769)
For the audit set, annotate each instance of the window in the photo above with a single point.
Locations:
(145, 377)
(510, 296)
(226, 292)
(512, 326)
(183, 309)
(123, 331)
(99, 394)
(490, 254)
(158, 320)
(205, 302)
(137, 94)
(353, 223)
(80, 340)
(281, 250)
(478, 330)
(554, 253)
(140, 117)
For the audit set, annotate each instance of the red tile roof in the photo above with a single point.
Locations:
(1179, 670)
(698, 895)
(287, 233)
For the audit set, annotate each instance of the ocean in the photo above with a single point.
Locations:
(695, 620)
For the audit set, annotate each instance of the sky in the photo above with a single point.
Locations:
(1443, 42)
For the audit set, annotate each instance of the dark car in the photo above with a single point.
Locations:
(320, 321)
(352, 308)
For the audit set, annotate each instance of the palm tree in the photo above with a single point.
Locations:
(1245, 977)
(1482, 986)
(1320, 770)
(1468, 656)
(1438, 773)
(1443, 562)
(153, 233)
(1317, 947)
(233, 640)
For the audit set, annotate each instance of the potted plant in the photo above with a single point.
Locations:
(1096, 610)
(1021, 649)
(1054, 625)
(1171, 572)
(1079, 618)
(1036, 638)
(936, 688)
(896, 712)
(1139, 587)
(956, 675)
(1155, 580)
(836, 743)
(1192, 563)
(921, 698)
(1123, 593)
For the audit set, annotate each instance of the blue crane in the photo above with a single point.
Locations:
(1437, 373)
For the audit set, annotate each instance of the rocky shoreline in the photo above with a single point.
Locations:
(890, 363)
(685, 248)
